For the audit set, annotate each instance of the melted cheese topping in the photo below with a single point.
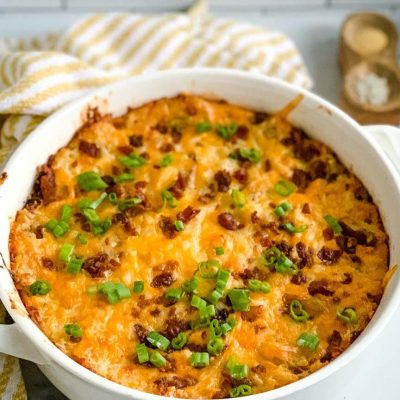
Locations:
(265, 337)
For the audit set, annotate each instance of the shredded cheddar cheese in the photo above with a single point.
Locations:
(195, 249)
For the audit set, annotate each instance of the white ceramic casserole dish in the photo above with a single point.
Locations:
(355, 146)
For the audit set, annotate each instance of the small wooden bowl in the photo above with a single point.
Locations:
(353, 26)
(390, 73)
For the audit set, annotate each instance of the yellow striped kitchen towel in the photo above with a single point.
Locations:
(39, 75)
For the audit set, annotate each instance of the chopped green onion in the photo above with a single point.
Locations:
(258, 286)
(207, 311)
(91, 215)
(333, 223)
(226, 327)
(142, 353)
(222, 279)
(113, 198)
(208, 269)
(284, 187)
(202, 127)
(199, 360)
(58, 228)
(115, 292)
(215, 346)
(126, 177)
(239, 371)
(94, 204)
(240, 391)
(138, 287)
(158, 340)
(84, 203)
(166, 160)
(132, 160)
(214, 296)
(168, 198)
(40, 287)
(282, 209)
(51, 224)
(219, 251)
(174, 294)
(157, 359)
(238, 198)
(91, 180)
(274, 258)
(288, 226)
(66, 252)
(297, 311)
(226, 131)
(347, 315)
(74, 265)
(179, 225)
(200, 323)
(240, 299)
(179, 341)
(82, 238)
(198, 302)
(66, 213)
(253, 155)
(125, 204)
(191, 285)
(73, 330)
(308, 340)
(215, 328)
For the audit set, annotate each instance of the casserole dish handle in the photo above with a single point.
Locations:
(14, 343)
(388, 138)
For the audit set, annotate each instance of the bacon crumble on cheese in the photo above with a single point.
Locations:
(195, 249)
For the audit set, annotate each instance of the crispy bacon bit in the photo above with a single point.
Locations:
(328, 234)
(255, 273)
(301, 178)
(167, 227)
(264, 239)
(335, 339)
(197, 347)
(347, 278)
(228, 221)
(329, 256)
(305, 255)
(166, 147)
(140, 185)
(242, 132)
(136, 140)
(125, 149)
(347, 244)
(173, 326)
(254, 217)
(319, 287)
(108, 179)
(177, 382)
(306, 209)
(91, 149)
(223, 180)
(298, 279)
(241, 175)
(187, 214)
(39, 232)
(318, 169)
(47, 181)
(141, 332)
(98, 265)
(267, 166)
(165, 279)
(126, 223)
(258, 369)
(362, 194)
(304, 148)
(179, 186)
(84, 223)
(222, 315)
(47, 263)
(375, 298)
(284, 247)
(363, 237)
(176, 135)
(259, 117)
(3, 177)
(253, 313)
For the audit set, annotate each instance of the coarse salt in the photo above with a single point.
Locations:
(372, 89)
